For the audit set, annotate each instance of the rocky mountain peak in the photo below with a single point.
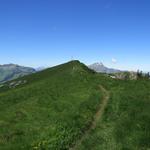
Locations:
(100, 67)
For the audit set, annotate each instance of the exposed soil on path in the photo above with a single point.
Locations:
(97, 118)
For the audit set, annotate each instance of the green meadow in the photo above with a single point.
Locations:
(125, 124)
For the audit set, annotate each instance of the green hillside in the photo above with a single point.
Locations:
(51, 110)
(71, 107)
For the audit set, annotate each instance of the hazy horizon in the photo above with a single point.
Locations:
(45, 33)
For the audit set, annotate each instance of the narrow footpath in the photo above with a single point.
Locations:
(97, 118)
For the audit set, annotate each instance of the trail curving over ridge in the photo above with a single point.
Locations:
(97, 118)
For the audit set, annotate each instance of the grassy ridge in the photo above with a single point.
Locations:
(50, 111)
(56, 106)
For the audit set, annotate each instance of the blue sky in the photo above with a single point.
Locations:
(49, 32)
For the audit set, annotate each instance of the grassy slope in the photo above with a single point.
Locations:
(55, 106)
(51, 110)
(126, 122)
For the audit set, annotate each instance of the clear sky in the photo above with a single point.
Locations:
(49, 32)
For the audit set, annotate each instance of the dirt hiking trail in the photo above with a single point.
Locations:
(97, 118)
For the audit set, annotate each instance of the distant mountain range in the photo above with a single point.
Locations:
(13, 71)
(99, 67)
